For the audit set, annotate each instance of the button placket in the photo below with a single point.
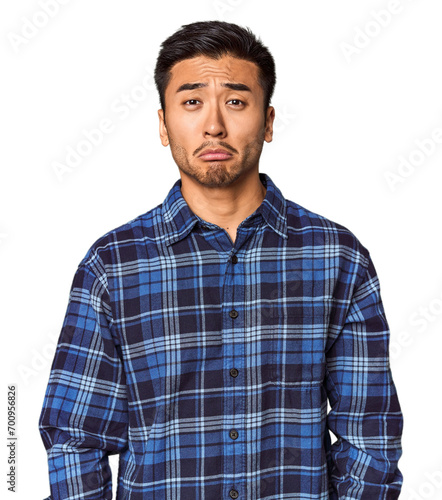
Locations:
(236, 404)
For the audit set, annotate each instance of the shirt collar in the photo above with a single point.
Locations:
(179, 220)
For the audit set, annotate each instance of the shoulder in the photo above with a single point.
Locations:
(312, 228)
(121, 243)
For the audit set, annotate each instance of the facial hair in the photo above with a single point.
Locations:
(217, 173)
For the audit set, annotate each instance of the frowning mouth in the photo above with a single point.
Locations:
(215, 154)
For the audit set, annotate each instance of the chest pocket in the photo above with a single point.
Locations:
(297, 336)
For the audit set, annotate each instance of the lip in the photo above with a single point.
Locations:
(215, 154)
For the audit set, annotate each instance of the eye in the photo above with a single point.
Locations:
(192, 101)
(237, 102)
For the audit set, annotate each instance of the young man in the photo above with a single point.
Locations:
(203, 339)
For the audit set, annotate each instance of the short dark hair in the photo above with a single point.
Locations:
(214, 39)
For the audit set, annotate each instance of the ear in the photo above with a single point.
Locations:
(270, 117)
(163, 129)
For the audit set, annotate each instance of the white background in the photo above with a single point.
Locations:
(350, 108)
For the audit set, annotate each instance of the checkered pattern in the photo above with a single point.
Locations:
(207, 365)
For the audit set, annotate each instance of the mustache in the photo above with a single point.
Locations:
(214, 146)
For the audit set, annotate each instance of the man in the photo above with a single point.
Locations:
(203, 339)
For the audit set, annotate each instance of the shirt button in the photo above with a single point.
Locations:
(233, 434)
(233, 372)
(234, 259)
(233, 314)
(233, 494)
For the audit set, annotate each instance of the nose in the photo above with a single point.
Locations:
(214, 125)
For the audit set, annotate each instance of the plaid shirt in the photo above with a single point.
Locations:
(207, 365)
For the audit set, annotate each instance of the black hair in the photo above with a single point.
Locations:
(214, 39)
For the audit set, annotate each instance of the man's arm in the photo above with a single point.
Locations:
(365, 414)
(84, 415)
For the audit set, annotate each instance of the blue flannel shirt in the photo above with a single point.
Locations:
(207, 365)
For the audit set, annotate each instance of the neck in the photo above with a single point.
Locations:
(225, 206)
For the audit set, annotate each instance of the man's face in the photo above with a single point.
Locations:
(224, 111)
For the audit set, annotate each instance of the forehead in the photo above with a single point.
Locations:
(203, 69)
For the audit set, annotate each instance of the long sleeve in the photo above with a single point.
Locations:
(84, 415)
(365, 413)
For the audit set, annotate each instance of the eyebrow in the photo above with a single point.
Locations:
(232, 86)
